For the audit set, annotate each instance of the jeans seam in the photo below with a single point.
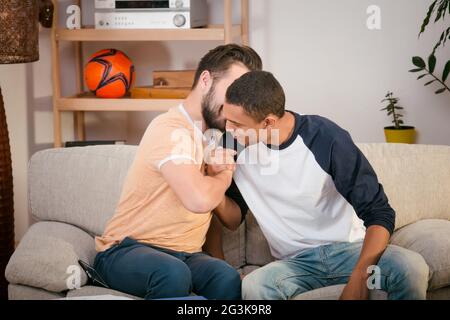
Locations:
(349, 274)
(293, 276)
(323, 258)
(278, 283)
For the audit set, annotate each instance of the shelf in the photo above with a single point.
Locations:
(78, 105)
(88, 102)
(211, 33)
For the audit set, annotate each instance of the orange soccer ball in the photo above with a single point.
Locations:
(109, 74)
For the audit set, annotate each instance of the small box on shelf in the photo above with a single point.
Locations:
(173, 78)
(159, 93)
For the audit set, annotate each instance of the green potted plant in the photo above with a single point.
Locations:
(398, 133)
(436, 12)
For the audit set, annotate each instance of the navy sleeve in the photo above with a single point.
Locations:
(357, 182)
(233, 191)
(234, 194)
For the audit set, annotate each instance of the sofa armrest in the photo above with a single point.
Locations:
(45, 255)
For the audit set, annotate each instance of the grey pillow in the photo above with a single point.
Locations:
(431, 239)
(45, 255)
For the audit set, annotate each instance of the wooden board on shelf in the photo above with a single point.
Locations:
(88, 102)
(90, 34)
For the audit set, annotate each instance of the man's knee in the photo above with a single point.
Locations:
(255, 284)
(227, 281)
(170, 280)
(249, 286)
(416, 272)
(230, 284)
(409, 272)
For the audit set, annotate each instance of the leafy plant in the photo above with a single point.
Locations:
(429, 71)
(439, 8)
(392, 109)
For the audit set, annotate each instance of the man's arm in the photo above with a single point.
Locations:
(198, 193)
(375, 242)
(213, 243)
(229, 213)
(356, 180)
(232, 208)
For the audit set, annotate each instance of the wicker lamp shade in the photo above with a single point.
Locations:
(19, 28)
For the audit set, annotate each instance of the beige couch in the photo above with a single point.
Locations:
(73, 193)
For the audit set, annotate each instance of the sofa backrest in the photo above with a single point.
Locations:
(416, 179)
(80, 186)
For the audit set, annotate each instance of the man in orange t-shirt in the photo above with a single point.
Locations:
(152, 246)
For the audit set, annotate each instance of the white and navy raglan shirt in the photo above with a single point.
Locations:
(314, 189)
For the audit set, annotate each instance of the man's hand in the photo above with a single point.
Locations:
(375, 242)
(356, 288)
(220, 159)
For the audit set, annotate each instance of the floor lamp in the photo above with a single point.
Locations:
(19, 43)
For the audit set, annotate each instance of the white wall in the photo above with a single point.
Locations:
(321, 51)
(331, 64)
(328, 61)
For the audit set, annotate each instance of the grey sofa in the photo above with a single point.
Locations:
(73, 193)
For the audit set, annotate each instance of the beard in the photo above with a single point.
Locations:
(211, 111)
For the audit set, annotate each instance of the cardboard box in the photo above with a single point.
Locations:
(174, 79)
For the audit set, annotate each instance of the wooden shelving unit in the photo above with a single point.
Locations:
(86, 102)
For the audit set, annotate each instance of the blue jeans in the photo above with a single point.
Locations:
(403, 273)
(155, 273)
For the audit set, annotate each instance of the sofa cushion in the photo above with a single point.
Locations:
(233, 243)
(46, 252)
(257, 249)
(416, 179)
(20, 292)
(245, 270)
(79, 186)
(89, 291)
(439, 294)
(430, 238)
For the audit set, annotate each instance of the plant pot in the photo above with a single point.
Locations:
(404, 134)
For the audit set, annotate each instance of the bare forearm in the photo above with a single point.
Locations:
(375, 242)
(229, 213)
(213, 243)
(212, 190)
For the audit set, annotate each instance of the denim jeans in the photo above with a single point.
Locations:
(155, 273)
(403, 274)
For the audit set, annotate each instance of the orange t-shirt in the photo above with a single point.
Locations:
(148, 210)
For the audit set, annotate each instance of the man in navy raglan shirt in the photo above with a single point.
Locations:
(317, 200)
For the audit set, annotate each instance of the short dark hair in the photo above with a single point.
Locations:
(219, 60)
(259, 93)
